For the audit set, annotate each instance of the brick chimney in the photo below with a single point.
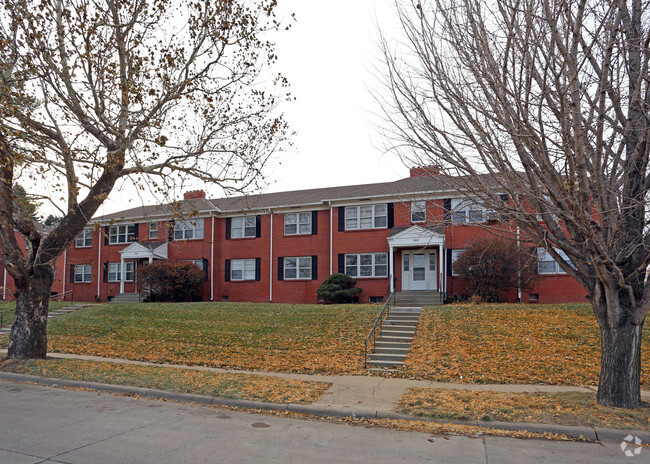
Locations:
(193, 194)
(423, 171)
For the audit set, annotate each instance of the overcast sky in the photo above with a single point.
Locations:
(330, 57)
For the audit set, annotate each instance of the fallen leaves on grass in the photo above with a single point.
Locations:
(269, 337)
(506, 343)
(232, 386)
(567, 408)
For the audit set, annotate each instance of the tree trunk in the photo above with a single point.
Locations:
(620, 368)
(29, 331)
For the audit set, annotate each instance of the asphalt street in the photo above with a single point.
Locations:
(51, 425)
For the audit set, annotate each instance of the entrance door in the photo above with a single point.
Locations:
(419, 270)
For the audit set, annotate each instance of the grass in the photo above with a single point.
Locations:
(231, 386)
(531, 344)
(272, 337)
(7, 309)
(576, 409)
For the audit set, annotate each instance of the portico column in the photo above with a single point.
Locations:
(443, 271)
(391, 269)
(122, 274)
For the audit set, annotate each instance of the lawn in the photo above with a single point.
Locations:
(531, 344)
(571, 408)
(272, 337)
(7, 309)
(231, 386)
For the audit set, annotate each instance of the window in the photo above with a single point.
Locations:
(115, 271)
(297, 223)
(84, 239)
(297, 268)
(153, 231)
(82, 273)
(242, 269)
(366, 217)
(191, 229)
(547, 265)
(463, 210)
(406, 261)
(121, 234)
(367, 265)
(418, 211)
(242, 227)
(455, 254)
(200, 263)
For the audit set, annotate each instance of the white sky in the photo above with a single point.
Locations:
(329, 56)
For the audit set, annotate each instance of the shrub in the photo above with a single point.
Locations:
(338, 288)
(494, 265)
(172, 281)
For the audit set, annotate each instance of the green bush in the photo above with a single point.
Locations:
(338, 288)
(172, 281)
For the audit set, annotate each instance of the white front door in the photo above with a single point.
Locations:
(419, 270)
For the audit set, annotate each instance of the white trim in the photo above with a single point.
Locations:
(297, 268)
(212, 259)
(271, 260)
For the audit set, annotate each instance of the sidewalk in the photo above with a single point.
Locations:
(356, 396)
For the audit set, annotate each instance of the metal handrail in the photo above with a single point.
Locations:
(377, 325)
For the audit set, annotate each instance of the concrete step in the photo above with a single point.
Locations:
(386, 357)
(392, 345)
(380, 350)
(386, 363)
(403, 310)
(400, 328)
(126, 298)
(386, 332)
(401, 322)
(394, 338)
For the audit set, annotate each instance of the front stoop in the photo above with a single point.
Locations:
(394, 341)
(126, 298)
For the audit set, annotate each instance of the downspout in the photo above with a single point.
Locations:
(331, 224)
(99, 264)
(212, 259)
(65, 267)
(4, 283)
(271, 258)
(518, 266)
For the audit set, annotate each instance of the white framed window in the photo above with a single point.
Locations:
(418, 211)
(153, 231)
(547, 265)
(367, 265)
(366, 217)
(190, 229)
(455, 254)
(297, 223)
(464, 210)
(82, 273)
(84, 239)
(197, 262)
(115, 272)
(242, 227)
(121, 234)
(242, 269)
(297, 268)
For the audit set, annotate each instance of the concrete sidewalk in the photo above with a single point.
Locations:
(351, 396)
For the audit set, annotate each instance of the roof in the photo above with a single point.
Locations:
(407, 187)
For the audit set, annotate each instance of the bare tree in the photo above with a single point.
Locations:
(547, 101)
(97, 90)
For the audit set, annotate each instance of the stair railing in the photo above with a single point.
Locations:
(379, 322)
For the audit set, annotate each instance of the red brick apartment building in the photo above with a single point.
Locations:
(280, 247)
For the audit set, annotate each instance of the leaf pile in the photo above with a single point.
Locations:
(567, 408)
(508, 343)
(232, 386)
(269, 337)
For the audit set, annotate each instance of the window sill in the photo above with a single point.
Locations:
(370, 277)
(298, 235)
(297, 280)
(374, 229)
(85, 246)
(241, 238)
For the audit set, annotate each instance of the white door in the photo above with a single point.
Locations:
(419, 272)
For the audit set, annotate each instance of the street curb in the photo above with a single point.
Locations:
(588, 433)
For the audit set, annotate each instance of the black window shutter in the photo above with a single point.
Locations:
(504, 198)
(227, 270)
(448, 262)
(341, 218)
(258, 269)
(72, 273)
(106, 272)
(314, 267)
(134, 237)
(314, 222)
(258, 226)
(205, 268)
(280, 268)
(228, 228)
(391, 215)
(171, 231)
(341, 263)
(447, 210)
(107, 230)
